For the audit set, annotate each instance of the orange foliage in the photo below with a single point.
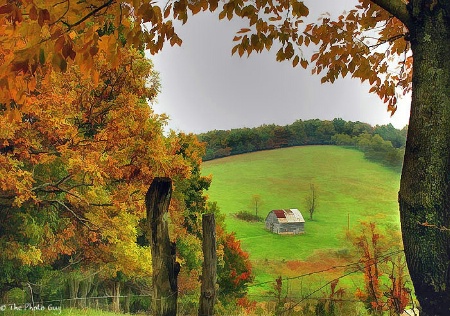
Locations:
(379, 255)
(39, 37)
(188, 282)
(80, 160)
(235, 272)
(248, 305)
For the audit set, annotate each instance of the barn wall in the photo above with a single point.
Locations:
(295, 228)
(271, 221)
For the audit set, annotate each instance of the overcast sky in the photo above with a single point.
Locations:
(204, 87)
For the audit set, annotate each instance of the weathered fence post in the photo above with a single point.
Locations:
(165, 267)
(209, 271)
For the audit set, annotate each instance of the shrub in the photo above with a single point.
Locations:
(248, 217)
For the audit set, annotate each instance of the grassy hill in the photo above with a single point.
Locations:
(350, 189)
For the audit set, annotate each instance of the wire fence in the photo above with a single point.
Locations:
(133, 303)
(188, 302)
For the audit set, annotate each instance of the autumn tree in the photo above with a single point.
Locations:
(78, 166)
(378, 42)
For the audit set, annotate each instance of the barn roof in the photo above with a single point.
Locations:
(279, 213)
(292, 215)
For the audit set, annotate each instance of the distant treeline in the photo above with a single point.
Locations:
(382, 143)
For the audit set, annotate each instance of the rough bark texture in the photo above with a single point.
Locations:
(165, 268)
(424, 190)
(209, 271)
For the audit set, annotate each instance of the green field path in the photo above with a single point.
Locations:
(350, 189)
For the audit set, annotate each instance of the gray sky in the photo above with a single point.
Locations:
(205, 88)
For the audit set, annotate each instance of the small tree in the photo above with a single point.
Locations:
(311, 200)
(280, 298)
(256, 203)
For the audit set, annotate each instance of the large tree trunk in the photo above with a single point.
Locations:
(165, 268)
(424, 196)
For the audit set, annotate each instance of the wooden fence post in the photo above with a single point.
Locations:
(209, 270)
(165, 267)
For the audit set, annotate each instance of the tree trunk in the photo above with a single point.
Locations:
(127, 302)
(83, 290)
(74, 284)
(116, 297)
(165, 268)
(209, 270)
(424, 196)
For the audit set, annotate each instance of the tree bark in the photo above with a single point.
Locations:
(165, 267)
(116, 297)
(209, 270)
(424, 196)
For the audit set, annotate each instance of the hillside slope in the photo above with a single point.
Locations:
(350, 188)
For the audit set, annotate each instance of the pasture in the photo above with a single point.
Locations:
(350, 190)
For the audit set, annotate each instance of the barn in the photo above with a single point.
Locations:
(288, 221)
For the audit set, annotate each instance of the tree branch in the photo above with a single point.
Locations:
(383, 41)
(55, 185)
(397, 8)
(80, 219)
(93, 12)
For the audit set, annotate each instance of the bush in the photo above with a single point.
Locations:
(248, 217)
(15, 295)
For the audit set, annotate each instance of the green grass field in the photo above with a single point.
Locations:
(350, 189)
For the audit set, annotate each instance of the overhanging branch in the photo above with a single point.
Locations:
(87, 16)
(397, 8)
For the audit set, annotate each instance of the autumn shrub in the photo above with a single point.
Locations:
(248, 305)
(382, 262)
(234, 272)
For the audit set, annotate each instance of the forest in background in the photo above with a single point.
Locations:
(381, 143)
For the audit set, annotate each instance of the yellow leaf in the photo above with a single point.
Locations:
(72, 35)
(45, 31)
(95, 77)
